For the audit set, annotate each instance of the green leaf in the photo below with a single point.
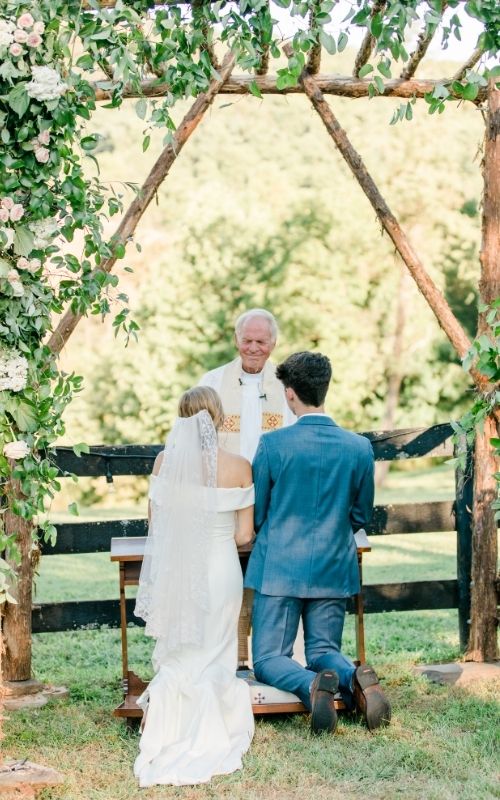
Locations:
(384, 69)
(23, 241)
(73, 509)
(85, 62)
(365, 70)
(23, 415)
(342, 42)
(470, 91)
(80, 448)
(254, 89)
(18, 99)
(376, 26)
(328, 42)
(379, 83)
(141, 108)
(145, 143)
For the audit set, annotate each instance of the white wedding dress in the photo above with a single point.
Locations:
(199, 719)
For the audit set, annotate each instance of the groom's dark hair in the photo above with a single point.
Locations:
(308, 374)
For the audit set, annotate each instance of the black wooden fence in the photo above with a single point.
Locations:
(92, 537)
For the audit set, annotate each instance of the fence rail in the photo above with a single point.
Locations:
(407, 518)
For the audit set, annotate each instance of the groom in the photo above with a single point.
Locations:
(314, 490)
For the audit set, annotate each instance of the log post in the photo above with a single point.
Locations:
(16, 617)
(483, 629)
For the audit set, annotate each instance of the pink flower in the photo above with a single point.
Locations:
(42, 155)
(22, 263)
(13, 275)
(6, 202)
(34, 40)
(39, 27)
(20, 36)
(16, 212)
(44, 137)
(25, 20)
(16, 49)
(4, 215)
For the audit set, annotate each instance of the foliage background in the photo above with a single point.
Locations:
(261, 210)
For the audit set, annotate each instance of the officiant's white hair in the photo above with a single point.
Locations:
(251, 314)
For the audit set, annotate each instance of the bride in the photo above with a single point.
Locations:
(198, 715)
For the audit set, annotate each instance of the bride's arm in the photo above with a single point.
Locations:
(244, 521)
(244, 527)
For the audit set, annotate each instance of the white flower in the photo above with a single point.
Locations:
(15, 283)
(44, 137)
(6, 38)
(6, 25)
(16, 50)
(46, 84)
(42, 155)
(22, 263)
(4, 215)
(39, 27)
(6, 202)
(25, 20)
(34, 265)
(34, 40)
(9, 233)
(16, 450)
(13, 371)
(20, 36)
(16, 212)
(45, 231)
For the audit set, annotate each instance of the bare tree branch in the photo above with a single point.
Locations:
(424, 40)
(264, 61)
(469, 64)
(314, 59)
(368, 41)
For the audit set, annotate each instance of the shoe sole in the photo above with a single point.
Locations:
(378, 709)
(324, 714)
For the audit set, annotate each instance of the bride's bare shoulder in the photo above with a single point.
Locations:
(233, 470)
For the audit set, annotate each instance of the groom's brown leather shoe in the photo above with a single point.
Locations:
(324, 713)
(369, 698)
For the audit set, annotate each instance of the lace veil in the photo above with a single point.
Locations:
(173, 585)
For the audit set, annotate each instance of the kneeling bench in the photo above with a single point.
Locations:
(129, 552)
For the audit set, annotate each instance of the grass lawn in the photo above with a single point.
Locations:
(442, 743)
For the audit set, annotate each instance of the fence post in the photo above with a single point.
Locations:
(463, 520)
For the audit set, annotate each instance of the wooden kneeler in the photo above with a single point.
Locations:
(129, 552)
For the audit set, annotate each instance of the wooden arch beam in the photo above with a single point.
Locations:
(148, 190)
(327, 84)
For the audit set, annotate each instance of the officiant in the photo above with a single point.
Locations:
(252, 397)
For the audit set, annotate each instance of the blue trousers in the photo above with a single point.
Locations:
(275, 622)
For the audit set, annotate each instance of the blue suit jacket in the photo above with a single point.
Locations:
(313, 490)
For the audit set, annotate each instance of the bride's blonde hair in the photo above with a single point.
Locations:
(202, 398)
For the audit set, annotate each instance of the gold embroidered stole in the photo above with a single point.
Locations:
(230, 393)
